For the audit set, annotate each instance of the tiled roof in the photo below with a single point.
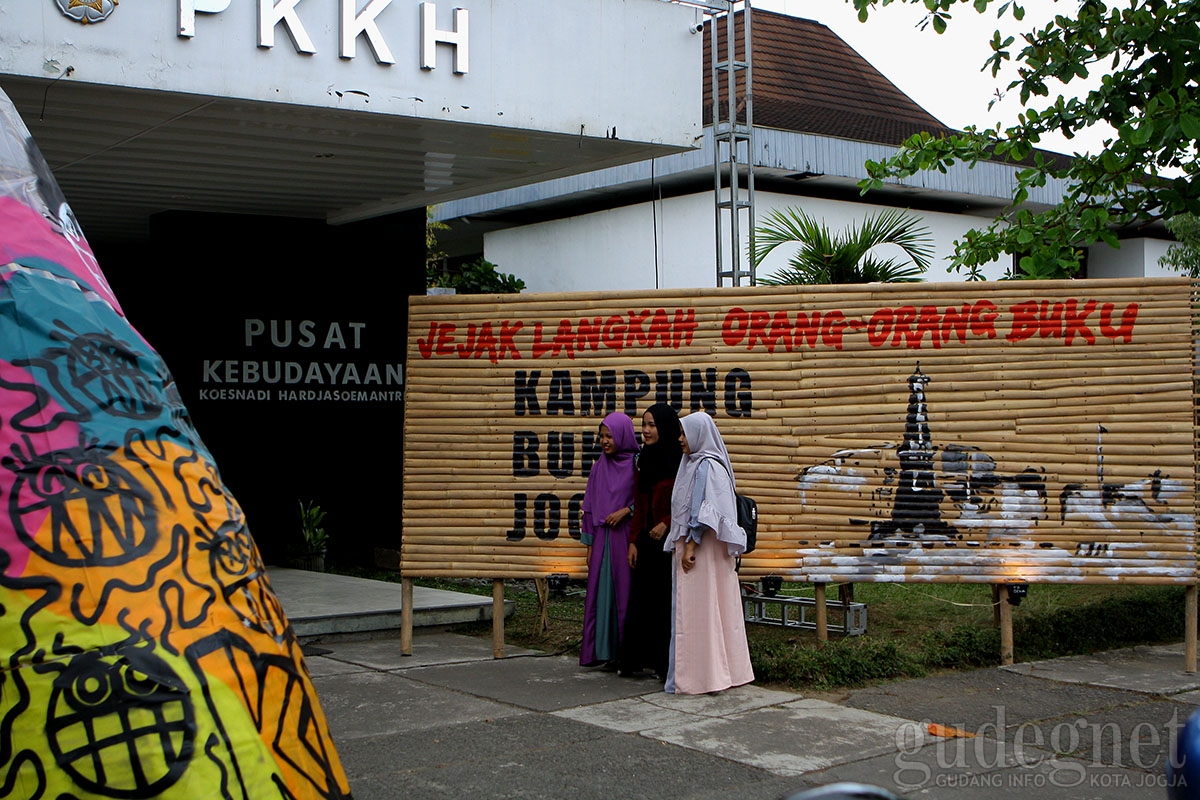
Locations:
(807, 79)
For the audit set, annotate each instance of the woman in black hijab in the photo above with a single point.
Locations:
(647, 640)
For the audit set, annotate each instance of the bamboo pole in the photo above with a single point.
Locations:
(1149, 572)
(964, 575)
(406, 615)
(1189, 629)
(822, 614)
(498, 618)
(579, 304)
(1006, 628)
(852, 304)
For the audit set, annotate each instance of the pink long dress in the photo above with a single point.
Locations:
(709, 651)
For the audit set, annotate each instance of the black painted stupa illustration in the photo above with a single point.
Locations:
(916, 510)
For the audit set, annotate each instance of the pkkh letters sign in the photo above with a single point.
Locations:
(976, 432)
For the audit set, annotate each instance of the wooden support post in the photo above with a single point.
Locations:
(498, 618)
(406, 616)
(1006, 630)
(822, 614)
(543, 593)
(1189, 629)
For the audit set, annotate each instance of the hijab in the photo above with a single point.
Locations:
(704, 491)
(660, 460)
(610, 484)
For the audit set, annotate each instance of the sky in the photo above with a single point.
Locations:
(942, 73)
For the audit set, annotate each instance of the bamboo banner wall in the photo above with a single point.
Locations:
(1041, 431)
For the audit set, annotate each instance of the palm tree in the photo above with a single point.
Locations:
(847, 257)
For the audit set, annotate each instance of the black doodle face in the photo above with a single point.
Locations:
(99, 515)
(121, 725)
(239, 570)
(233, 553)
(106, 371)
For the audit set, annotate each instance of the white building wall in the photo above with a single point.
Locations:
(1138, 258)
(615, 249)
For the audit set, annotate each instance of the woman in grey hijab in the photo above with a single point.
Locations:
(709, 652)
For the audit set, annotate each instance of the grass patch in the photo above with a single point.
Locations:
(853, 661)
(912, 629)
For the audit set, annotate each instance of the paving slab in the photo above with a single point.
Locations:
(372, 703)
(1135, 736)
(730, 701)
(986, 770)
(983, 701)
(646, 713)
(793, 738)
(1050, 780)
(542, 756)
(771, 787)
(451, 721)
(1152, 670)
(429, 649)
(538, 683)
(320, 667)
(627, 715)
(323, 606)
(913, 765)
(445, 745)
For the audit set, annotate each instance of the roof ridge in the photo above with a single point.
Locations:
(802, 63)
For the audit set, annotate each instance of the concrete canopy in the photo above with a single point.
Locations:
(134, 117)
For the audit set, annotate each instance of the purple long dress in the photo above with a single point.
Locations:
(610, 488)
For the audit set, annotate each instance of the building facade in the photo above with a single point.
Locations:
(253, 176)
(820, 112)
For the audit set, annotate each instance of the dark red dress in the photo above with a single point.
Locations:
(647, 638)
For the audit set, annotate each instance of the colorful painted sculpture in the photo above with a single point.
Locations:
(144, 653)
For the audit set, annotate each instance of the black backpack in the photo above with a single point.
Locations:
(747, 512)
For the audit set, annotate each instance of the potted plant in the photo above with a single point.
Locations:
(309, 553)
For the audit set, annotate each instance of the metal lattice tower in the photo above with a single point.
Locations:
(732, 136)
(733, 140)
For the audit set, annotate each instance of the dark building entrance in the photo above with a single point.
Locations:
(287, 339)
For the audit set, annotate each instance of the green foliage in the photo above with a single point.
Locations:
(1148, 52)
(844, 662)
(1132, 617)
(312, 530)
(848, 256)
(962, 647)
(434, 257)
(479, 277)
(1185, 256)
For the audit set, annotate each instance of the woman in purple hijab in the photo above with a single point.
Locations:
(607, 509)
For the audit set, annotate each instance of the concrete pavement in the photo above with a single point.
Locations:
(451, 721)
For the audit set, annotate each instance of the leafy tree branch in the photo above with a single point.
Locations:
(1185, 256)
(1147, 53)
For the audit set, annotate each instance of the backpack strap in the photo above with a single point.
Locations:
(732, 482)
